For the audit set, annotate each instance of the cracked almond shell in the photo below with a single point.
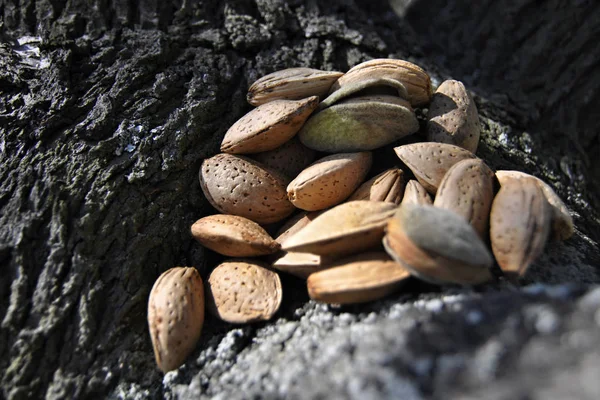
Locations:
(387, 186)
(268, 126)
(241, 186)
(415, 193)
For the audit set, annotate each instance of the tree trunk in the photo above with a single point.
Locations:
(107, 109)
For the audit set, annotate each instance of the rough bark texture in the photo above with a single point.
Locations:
(107, 109)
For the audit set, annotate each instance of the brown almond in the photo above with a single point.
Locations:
(415, 193)
(358, 279)
(243, 291)
(453, 117)
(414, 78)
(437, 246)
(290, 158)
(468, 190)
(430, 161)
(233, 236)
(387, 186)
(562, 222)
(520, 222)
(329, 181)
(268, 126)
(345, 229)
(240, 186)
(175, 316)
(300, 264)
(291, 84)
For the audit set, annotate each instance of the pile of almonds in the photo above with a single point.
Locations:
(354, 239)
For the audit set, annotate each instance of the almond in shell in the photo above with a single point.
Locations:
(240, 186)
(345, 229)
(175, 316)
(386, 186)
(453, 117)
(268, 126)
(415, 193)
(291, 84)
(468, 190)
(437, 246)
(301, 264)
(243, 291)
(290, 158)
(233, 236)
(357, 279)
(430, 161)
(520, 222)
(329, 181)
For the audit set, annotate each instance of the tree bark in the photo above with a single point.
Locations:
(107, 109)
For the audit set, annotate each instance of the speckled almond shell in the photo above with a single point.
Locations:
(175, 316)
(345, 229)
(240, 186)
(520, 222)
(329, 181)
(415, 193)
(357, 279)
(452, 117)
(233, 236)
(430, 161)
(291, 84)
(290, 159)
(268, 126)
(562, 222)
(387, 186)
(414, 78)
(437, 246)
(243, 291)
(468, 190)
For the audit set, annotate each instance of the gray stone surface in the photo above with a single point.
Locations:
(107, 109)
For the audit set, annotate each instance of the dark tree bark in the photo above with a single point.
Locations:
(107, 109)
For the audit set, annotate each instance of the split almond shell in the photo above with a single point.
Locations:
(387, 186)
(415, 193)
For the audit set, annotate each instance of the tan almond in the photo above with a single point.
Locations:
(358, 279)
(414, 78)
(295, 224)
(430, 161)
(291, 84)
(386, 186)
(240, 186)
(415, 193)
(290, 158)
(175, 316)
(345, 229)
(437, 246)
(268, 126)
(520, 222)
(562, 222)
(300, 264)
(453, 117)
(242, 291)
(468, 190)
(329, 181)
(233, 236)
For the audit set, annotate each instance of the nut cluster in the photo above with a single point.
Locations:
(354, 237)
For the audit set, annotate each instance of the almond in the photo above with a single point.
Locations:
(414, 78)
(520, 222)
(295, 224)
(268, 126)
(240, 186)
(468, 190)
(415, 193)
(562, 222)
(345, 229)
(233, 236)
(242, 291)
(300, 264)
(429, 161)
(437, 246)
(175, 316)
(358, 279)
(291, 84)
(329, 181)
(387, 186)
(290, 159)
(453, 117)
